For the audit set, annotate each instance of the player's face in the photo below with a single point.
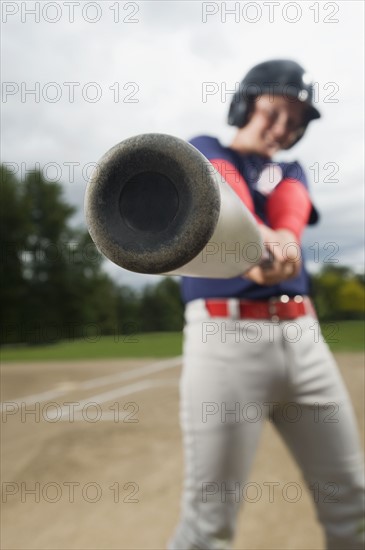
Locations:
(275, 124)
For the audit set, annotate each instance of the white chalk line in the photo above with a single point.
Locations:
(78, 413)
(95, 382)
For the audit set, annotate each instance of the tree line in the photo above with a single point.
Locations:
(52, 281)
(53, 285)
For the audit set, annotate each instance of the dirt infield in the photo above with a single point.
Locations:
(92, 459)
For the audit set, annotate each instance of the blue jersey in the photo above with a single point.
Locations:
(251, 168)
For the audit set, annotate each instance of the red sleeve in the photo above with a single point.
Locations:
(236, 182)
(289, 207)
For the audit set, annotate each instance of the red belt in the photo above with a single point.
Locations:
(280, 308)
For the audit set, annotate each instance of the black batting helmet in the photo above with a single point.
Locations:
(277, 77)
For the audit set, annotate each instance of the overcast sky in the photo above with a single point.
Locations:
(104, 71)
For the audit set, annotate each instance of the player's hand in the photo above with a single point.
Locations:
(285, 258)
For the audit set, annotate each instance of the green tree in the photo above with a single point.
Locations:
(45, 261)
(351, 299)
(338, 293)
(53, 285)
(128, 310)
(161, 307)
(14, 227)
(90, 295)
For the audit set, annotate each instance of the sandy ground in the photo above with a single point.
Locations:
(92, 459)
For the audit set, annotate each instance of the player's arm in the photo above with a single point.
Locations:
(278, 238)
(288, 207)
(236, 181)
(288, 210)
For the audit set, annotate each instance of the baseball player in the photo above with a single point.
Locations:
(252, 345)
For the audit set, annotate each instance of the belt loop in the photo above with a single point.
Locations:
(233, 307)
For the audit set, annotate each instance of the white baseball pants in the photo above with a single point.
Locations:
(237, 374)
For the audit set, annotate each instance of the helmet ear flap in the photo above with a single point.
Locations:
(241, 107)
(238, 110)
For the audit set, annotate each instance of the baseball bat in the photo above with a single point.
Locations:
(156, 205)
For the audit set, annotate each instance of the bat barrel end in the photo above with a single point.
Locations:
(152, 203)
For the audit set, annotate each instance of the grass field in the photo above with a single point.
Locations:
(341, 336)
(345, 335)
(158, 344)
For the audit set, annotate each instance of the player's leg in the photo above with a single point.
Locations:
(221, 376)
(324, 439)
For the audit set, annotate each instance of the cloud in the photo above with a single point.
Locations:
(150, 61)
